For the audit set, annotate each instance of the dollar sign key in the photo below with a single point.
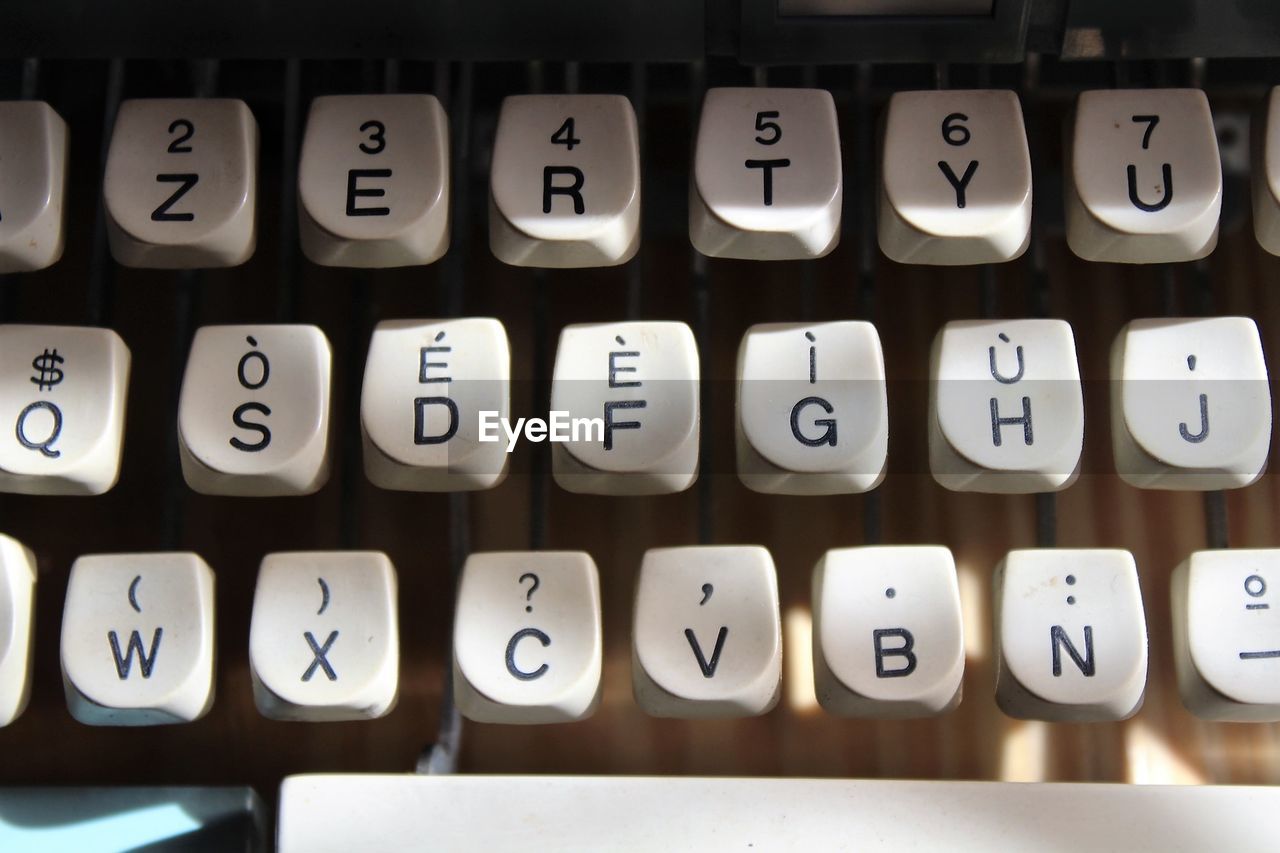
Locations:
(49, 372)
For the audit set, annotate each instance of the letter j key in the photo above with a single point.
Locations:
(1190, 403)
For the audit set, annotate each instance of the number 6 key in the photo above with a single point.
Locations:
(955, 178)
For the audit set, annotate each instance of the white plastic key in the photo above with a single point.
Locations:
(1071, 635)
(707, 638)
(1190, 403)
(1266, 173)
(324, 641)
(527, 642)
(1006, 409)
(137, 639)
(565, 181)
(812, 408)
(955, 178)
(887, 635)
(253, 417)
(1226, 634)
(17, 598)
(639, 381)
(33, 185)
(767, 181)
(426, 385)
(373, 181)
(181, 183)
(62, 408)
(1144, 181)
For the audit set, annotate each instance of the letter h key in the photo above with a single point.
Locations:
(1006, 408)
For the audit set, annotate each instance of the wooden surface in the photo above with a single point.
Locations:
(151, 509)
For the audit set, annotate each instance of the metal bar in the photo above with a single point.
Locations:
(98, 291)
(702, 332)
(287, 286)
(204, 84)
(864, 219)
(441, 757)
(635, 269)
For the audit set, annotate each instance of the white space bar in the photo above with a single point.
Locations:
(344, 813)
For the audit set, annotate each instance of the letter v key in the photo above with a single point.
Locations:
(708, 668)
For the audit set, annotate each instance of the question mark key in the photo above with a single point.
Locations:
(527, 643)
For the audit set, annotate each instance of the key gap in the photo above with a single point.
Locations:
(538, 484)
(204, 84)
(635, 269)
(287, 293)
(863, 211)
(101, 270)
(701, 293)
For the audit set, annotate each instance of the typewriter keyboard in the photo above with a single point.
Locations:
(379, 428)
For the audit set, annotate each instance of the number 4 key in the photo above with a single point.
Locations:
(565, 182)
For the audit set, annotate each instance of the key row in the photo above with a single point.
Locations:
(767, 180)
(138, 635)
(1190, 407)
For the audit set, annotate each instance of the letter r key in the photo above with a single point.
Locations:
(565, 181)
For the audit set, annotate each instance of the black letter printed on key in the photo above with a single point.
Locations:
(354, 191)
(573, 190)
(161, 213)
